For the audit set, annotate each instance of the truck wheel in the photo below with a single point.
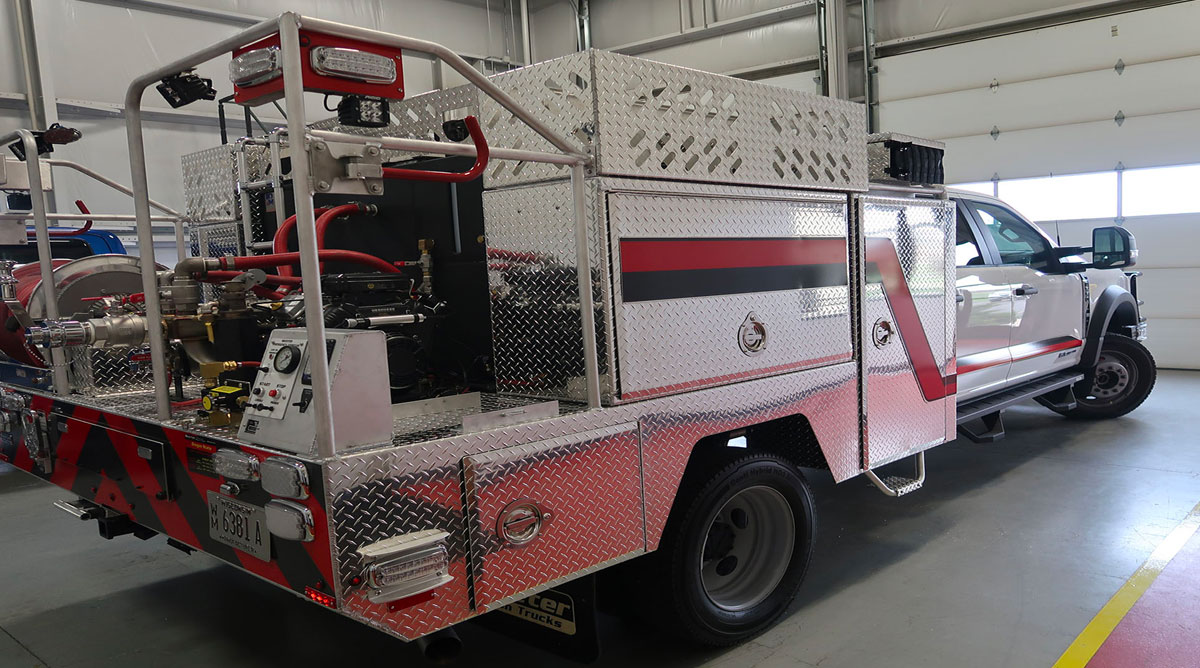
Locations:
(1121, 382)
(734, 554)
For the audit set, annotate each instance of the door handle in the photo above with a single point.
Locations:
(1025, 291)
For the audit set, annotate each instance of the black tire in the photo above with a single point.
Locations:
(673, 575)
(1120, 382)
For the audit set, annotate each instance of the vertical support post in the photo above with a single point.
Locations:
(39, 91)
(145, 242)
(306, 230)
(58, 356)
(526, 36)
(180, 242)
(870, 73)
(1120, 169)
(832, 25)
(583, 264)
(276, 156)
(243, 176)
(584, 17)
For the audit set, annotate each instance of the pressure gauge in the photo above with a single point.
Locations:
(287, 359)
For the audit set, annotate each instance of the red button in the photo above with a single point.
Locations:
(272, 393)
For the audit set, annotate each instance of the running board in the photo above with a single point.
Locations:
(895, 485)
(1053, 391)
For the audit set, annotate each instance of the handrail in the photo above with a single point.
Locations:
(287, 26)
(481, 161)
(69, 164)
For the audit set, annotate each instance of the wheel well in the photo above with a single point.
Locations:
(791, 437)
(1124, 315)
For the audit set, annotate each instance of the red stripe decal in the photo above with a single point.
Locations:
(882, 252)
(169, 514)
(993, 358)
(690, 254)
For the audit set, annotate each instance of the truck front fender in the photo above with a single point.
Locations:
(1115, 307)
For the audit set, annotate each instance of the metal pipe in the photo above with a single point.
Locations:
(141, 196)
(587, 315)
(380, 320)
(526, 36)
(274, 147)
(870, 91)
(444, 148)
(243, 175)
(459, 65)
(306, 228)
(34, 95)
(111, 217)
(55, 162)
(833, 20)
(58, 359)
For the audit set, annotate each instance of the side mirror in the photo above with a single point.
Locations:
(1113, 247)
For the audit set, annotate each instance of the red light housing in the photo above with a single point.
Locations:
(263, 91)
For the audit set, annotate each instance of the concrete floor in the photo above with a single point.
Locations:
(1000, 560)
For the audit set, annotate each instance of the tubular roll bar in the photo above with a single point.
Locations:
(288, 26)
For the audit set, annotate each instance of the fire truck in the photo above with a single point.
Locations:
(466, 351)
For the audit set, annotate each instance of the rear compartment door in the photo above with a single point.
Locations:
(546, 510)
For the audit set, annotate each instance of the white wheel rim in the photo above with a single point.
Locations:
(747, 548)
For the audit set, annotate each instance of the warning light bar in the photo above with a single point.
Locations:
(353, 64)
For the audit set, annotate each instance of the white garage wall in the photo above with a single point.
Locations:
(1167, 287)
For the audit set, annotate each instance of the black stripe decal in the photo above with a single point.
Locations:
(643, 286)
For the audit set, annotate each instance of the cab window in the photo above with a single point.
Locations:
(1016, 240)
(966, 250)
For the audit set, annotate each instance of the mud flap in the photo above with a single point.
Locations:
(561, 620)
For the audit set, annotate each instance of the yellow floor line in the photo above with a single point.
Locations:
(1088, 642)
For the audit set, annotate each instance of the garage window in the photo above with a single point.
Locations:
(1161, 190)
(1069, 197)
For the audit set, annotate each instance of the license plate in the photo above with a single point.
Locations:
(239, 525)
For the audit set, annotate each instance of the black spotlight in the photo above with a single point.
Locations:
(185, 88)
(361, 111)
(55, 134)
(455, 130)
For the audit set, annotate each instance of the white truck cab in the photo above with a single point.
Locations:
(1029, 311)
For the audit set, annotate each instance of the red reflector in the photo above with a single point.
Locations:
(324, 599)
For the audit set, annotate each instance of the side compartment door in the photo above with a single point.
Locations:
(543, 511)
(1047, 321)
(984, 312)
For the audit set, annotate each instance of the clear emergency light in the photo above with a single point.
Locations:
(406, 565)
(353, 64)
(255, 67)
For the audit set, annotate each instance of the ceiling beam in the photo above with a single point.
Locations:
(719, 28)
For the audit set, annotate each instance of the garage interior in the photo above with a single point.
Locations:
(1067, 543)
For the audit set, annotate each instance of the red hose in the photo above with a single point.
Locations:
(279, 243)
(327, 217)
(87, 225)
(331, 255)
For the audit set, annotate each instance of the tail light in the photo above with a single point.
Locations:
(406, 565)
(235, 464)
(289, 520)
(284, 477)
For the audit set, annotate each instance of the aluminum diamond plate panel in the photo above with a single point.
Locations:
(589, 487)
(535, 301)
(648, 119)
(671, 345)
(559, 93)
(900, 418)
(384, 493)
